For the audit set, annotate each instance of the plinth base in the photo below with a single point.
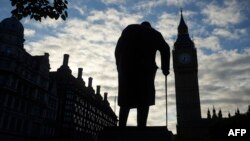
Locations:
(135, 134)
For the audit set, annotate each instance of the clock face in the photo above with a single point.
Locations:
(184, 58)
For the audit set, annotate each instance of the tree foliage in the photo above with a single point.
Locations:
(38, 9)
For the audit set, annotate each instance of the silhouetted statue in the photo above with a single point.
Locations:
(135, 59)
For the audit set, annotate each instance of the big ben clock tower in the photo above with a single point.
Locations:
(186, 80)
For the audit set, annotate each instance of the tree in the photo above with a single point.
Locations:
(38, 9)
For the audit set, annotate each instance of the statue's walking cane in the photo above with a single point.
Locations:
(166, 101)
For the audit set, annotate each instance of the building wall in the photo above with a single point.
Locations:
(26, 101)
(28, 104)
(83, 113)
(36, 104)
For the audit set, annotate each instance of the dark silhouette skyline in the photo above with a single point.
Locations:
(33, 82)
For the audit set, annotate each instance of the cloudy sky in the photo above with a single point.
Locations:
(219, 28)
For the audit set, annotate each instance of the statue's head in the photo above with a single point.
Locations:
(146, 24)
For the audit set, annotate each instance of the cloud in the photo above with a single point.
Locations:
(107, 2)
(226, 33)
(81, 9)
(149, 5)
(179, 3)
(211, 43)
(167, 24)
(29, 32)
(223, 79)
(90, 43)
(229, 13)
(114, 18)
(45, 23)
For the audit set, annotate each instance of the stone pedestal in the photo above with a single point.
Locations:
(135, 134)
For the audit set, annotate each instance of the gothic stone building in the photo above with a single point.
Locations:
(36, 104)
(190, 124)
(82, 113)
(28, 103)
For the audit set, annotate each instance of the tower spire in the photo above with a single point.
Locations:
(182, 28)
(183, 38)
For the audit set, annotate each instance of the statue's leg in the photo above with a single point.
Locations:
(123, 116)
(142, 116)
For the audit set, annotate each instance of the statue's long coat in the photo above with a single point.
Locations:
(135, 59)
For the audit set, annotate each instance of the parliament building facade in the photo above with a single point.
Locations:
(36, 104)
(190, 125)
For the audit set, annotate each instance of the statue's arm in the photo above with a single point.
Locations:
(165, 56)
